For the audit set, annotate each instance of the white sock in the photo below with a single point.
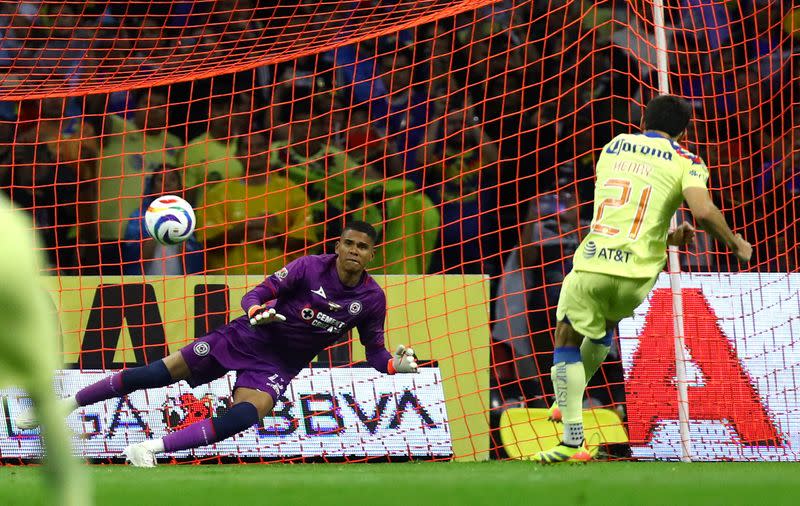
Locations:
(570, 381)
(573, 434)
(154, 445)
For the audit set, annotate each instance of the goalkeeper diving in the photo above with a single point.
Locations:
(642, 179)
(288, 319)
(29, 352)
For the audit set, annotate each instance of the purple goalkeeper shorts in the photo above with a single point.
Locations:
(232, 347)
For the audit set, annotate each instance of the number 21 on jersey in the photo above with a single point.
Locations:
(624, 187)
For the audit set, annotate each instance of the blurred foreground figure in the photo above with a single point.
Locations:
(29, 353)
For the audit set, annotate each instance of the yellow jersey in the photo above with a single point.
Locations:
(640, 183)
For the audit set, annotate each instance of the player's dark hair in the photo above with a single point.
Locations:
(668, 114)
(362, 226)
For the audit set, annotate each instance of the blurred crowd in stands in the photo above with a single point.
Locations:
(469, 142)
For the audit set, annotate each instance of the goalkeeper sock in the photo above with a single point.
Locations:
(240, 417)
(125, 382)
(569, 381)
(593, 353)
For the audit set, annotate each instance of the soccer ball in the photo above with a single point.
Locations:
(169, 220)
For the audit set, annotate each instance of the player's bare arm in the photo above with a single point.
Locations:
(683, 235)
(712, 220)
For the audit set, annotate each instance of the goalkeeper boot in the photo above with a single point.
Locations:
(563, 453)
(140, 456)
(554, 414)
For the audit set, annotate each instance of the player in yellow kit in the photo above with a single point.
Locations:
(641, 181)
(29, 353)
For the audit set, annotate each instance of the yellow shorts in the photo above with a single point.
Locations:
(589, 299)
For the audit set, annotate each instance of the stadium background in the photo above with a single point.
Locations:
(466, 131)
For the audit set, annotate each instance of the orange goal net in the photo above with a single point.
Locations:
(466, 132)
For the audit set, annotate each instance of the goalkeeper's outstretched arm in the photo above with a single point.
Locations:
(371, 333)
(710, 218)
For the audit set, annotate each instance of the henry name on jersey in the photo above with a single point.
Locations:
(629, 167)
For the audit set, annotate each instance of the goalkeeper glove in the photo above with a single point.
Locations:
(259, 315)
(404, 361)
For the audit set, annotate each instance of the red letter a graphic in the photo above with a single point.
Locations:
(728, 393)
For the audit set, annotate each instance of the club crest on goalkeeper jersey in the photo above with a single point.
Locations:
(640, 180)
(318, 308)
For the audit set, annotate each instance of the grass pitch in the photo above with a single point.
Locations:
(419, 484)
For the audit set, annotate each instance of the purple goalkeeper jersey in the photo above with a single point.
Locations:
(318, 310)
